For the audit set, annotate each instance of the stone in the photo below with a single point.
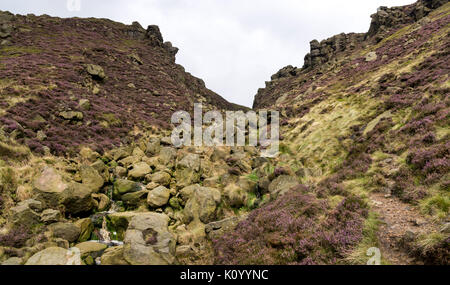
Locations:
(121, 172)
(50, 216)
(371, 56)
(162, 178)
(202, 205)
(103, 202)
(91, 178)
(113, 256)
(95, 71)
(86, 227)
(67, 231)
(24, 215)
(153, 147)
(148, 241)
(190, 161)
(158, 197)
(186, 177)
(71, 115)
(13, 261)
(84, 104)
(93, 249)
(77, 199)
(88, 154)
(139, 170)
(49, 187)
(215, 230)
(167, 156)
(136, 198)
(52, 256)
(123, 186)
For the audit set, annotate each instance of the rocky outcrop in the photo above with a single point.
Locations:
(324, 51)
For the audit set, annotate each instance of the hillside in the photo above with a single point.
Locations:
(89, 82)
(86, 164)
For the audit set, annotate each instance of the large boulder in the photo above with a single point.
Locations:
(113, 256)
(91, 178)
(158, 197)
(123, 186)
(148, 241)
(67, 231)
(53, 256)
(202, 205)
(25, 213)
(51, 189)
(162, 178)
(139, 170)
(86, 228)
(92, 249)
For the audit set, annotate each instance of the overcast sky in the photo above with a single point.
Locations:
(233, 45)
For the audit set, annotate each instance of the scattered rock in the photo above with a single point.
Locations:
(93, 249)
(91, 178)
(24, 215)
(50, 216)
(148, 241)
(86, 228)
(113, 256)
(67, 231)
(71, 115)
(51, 256)
(95, 71)
(158, 197)
(371, 56)
(123, 186)
(139, 170)
(162, 178)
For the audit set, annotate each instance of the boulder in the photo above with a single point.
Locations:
(24, 215)
(67, 231)
(217, 229)
(95, 71)
(114, 256)
(162, 178)
(13, 261)
(202, 205)
(167, 156)
(153, 147)
(136, 198)
(371, 56)
(186, 177)
(77, 199)
(123, 186)
(86, 228)
(49, 187)
(103, 202)
(52, 256)
(93, 249)
(190, 161)
(158, 197)
(50, 216)
(148, 241)
(139, 170)
(91, 178)
(84, 104)
(71, 115)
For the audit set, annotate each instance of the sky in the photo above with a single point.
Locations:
(233, 45)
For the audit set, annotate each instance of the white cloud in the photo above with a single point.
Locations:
(233, 45)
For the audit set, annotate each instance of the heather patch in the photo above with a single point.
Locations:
(297, 228)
